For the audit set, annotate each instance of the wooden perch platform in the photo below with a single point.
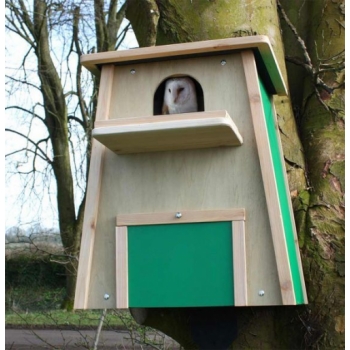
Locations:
(168, 132)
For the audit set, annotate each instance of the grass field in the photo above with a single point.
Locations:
(62, 319)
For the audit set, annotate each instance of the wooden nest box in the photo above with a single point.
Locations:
(191, 209)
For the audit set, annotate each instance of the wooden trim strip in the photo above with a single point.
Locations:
(293, 241)
(93, 195)
(186, 217)
(122, 289)
(268, 175)
(239, 263)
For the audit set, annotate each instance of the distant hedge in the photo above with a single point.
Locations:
(29, 271)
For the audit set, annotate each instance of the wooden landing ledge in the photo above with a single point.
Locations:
(168, 132)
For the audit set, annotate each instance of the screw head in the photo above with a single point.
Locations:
(106, 296)
(132, 71)
(261, 293)
(178, 215)
(223, 62)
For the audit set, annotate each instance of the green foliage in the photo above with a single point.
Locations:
(33, 282)
(24, 299)
(33, 272)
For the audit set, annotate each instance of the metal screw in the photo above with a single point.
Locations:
(178, 215)
(106, 296)
(132, 71)
(223, 62)
(261, 293)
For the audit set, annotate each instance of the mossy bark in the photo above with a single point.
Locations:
(321, 119)
(313, 145)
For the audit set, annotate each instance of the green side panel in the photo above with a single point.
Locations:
(180, 265)
(282, 188)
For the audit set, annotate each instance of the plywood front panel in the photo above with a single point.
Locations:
(208, 179)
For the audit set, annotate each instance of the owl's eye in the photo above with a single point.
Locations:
(169, 90)
(181, 89)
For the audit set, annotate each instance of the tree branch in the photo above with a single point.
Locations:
(26, 111)
(122, 35)
(79, 121)
(22, 82)
(307, 64)
(35, 144)
(82, 104)
(22, 17)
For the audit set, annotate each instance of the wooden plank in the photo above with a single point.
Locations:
(93, 195)
(171, 132)
(186, 216)
(239, 263)
(271, 194)
(300, 267)
(122, 300)
(259, 42)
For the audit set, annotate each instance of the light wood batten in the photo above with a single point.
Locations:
(93, 195)
(181, 217)
(239, 263)
(267, 170)
(122, 292)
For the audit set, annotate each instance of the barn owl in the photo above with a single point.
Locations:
(179, 96)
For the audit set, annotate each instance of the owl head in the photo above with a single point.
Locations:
(180, 95)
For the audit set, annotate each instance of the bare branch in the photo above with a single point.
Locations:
(26, 18)
(35, 144)
(100, 26)
(79, 121)
(82, 104)
(26, 111)
(23, 20)
(307, 63)
(23, 82)
(122, 36)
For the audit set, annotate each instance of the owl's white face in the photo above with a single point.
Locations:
(180, 95)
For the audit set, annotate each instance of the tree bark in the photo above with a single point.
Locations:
(320, 105)
(314, 155)
(56, 121)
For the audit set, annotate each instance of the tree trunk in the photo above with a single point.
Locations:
(56, 121)
(317, 193)
(320, 105)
